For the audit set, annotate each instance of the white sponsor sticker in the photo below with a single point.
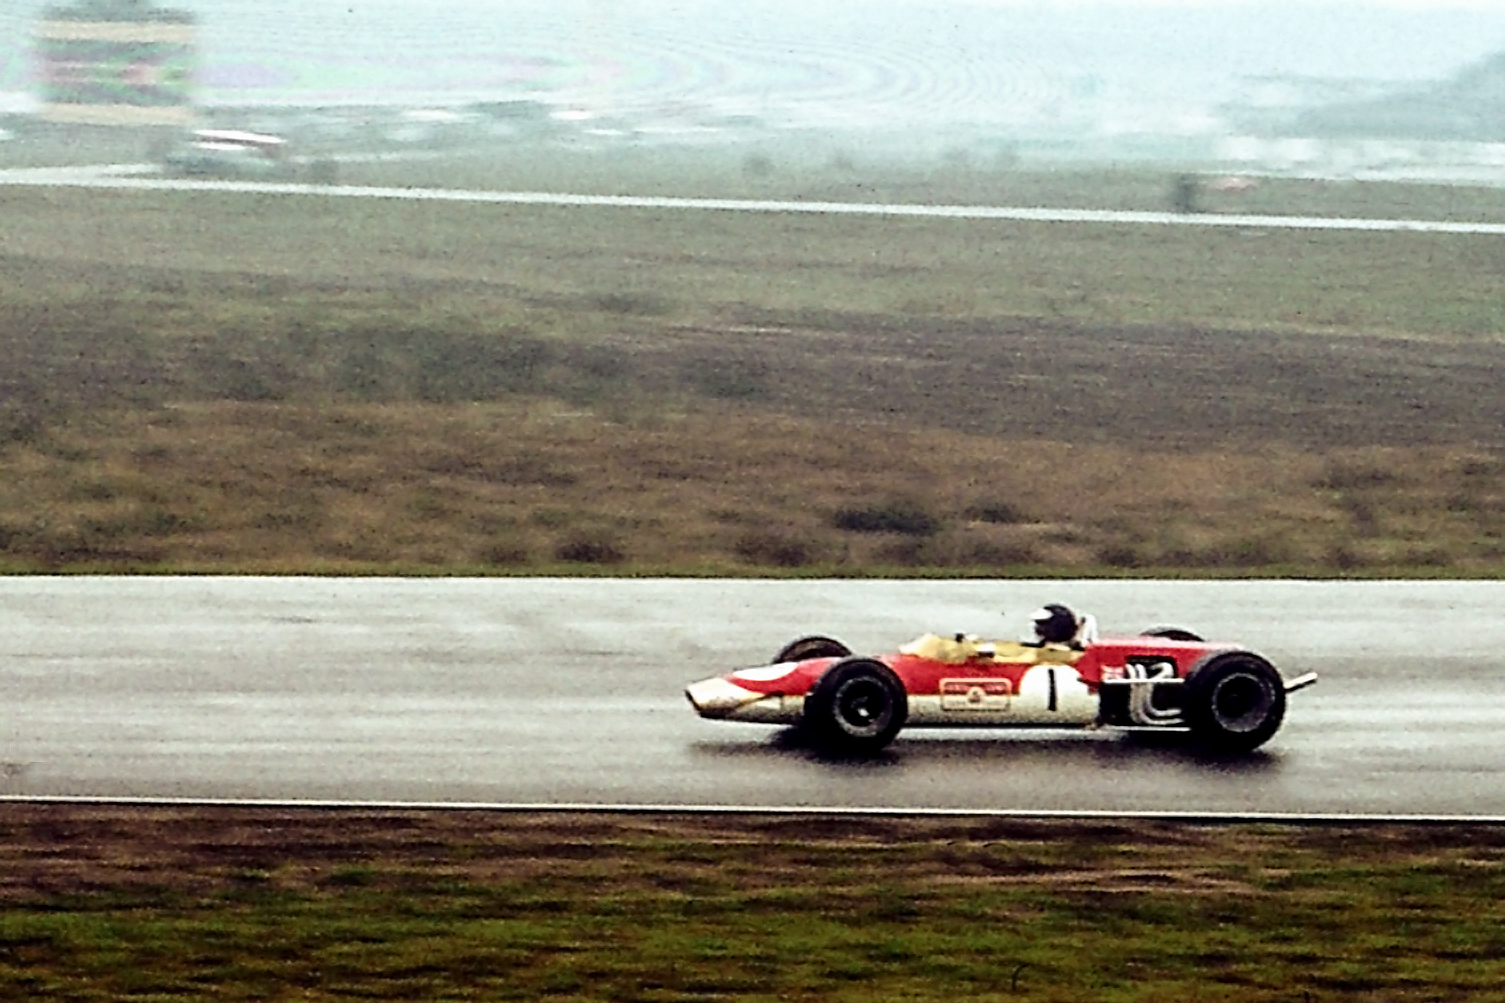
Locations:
(976, 694)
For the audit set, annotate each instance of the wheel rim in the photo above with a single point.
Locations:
(863, 707)
(1242, 702)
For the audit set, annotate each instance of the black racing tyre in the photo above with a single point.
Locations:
(814, 646)
(1234, 702)
(1170, 633)
(858, 706)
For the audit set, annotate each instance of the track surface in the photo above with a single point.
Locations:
(123, 177)
(553, 691)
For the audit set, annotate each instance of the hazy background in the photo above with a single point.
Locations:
(1118, 66)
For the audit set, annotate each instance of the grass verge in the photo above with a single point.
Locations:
(358, 388)
(105, 903)
(546, 486)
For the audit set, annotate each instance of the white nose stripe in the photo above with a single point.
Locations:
(717, 697)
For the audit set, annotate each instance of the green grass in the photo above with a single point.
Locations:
(827, 173)
(763, 909)
(556, 269)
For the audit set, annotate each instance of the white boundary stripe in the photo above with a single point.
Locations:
(1211, 817)
(45, 178)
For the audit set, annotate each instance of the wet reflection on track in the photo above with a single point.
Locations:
(1043, 770)
(550, 691)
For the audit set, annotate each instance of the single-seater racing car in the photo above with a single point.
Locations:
(1164, 679)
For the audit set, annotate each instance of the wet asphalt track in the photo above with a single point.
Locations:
(545, 691)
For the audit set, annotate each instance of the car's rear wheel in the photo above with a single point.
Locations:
(814, 646)
(1170, 633)
(1234, 702)
(858, 706)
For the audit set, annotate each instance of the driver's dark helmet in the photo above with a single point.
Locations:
(1054, 624)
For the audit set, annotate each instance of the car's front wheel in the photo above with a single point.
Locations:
(1234, 702)
(814, 646)
(858, 706)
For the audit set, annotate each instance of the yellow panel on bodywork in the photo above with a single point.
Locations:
(962, 648)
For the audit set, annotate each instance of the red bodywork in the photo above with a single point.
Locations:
(1224, 695)
(1107, 657)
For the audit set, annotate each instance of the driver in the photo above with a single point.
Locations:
(1057, 624)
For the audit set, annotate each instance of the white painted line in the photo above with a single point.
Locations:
(94, 178)
(1210, 817)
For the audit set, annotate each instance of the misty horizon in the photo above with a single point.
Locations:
(824, 63)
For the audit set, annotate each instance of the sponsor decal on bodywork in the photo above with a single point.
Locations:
(976, 694)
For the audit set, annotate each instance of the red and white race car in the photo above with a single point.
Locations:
(1165, 679)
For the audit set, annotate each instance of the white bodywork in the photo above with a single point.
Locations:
(722, 699)
(972, 702)
(1047, 695)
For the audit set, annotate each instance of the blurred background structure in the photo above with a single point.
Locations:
(1356, 90)
(116, 63)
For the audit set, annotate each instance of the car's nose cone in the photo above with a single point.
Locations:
(718, 697)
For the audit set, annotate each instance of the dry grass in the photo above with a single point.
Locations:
(542, 485)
